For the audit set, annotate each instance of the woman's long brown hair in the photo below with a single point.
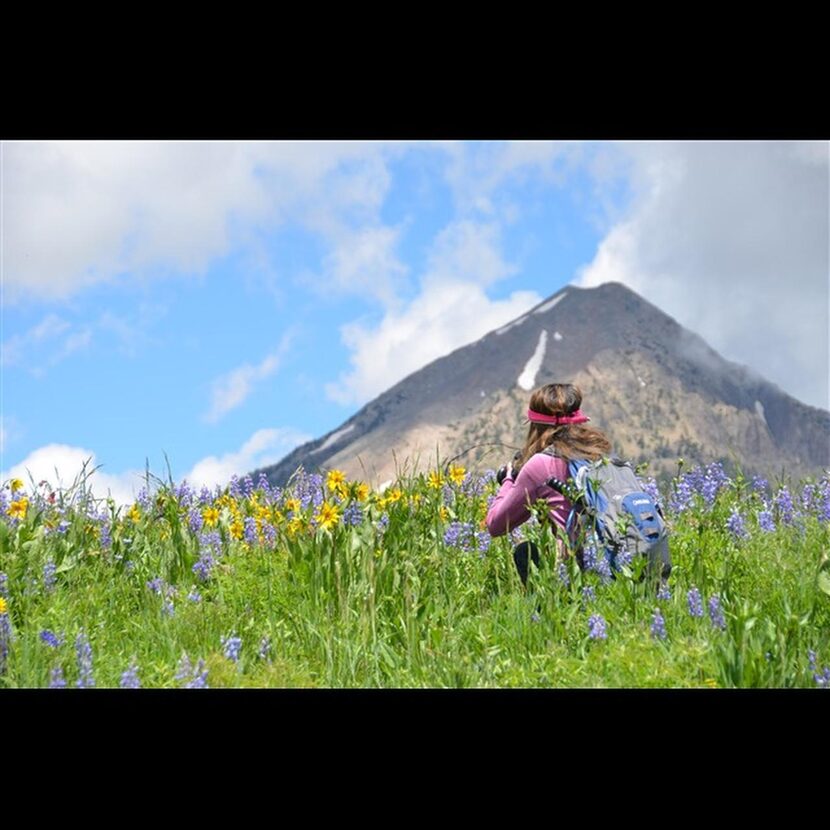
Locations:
(569, 440)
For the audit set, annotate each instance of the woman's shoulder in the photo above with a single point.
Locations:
(544, 461)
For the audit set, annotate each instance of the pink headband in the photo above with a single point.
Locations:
(540, 418)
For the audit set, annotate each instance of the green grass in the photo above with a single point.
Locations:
(389, 602)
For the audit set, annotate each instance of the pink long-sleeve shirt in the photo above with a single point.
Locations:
(510, 508)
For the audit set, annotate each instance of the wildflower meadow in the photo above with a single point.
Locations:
(328, 583)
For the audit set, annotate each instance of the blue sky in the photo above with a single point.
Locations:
(224, 301)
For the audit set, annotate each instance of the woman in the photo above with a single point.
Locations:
(556, 422)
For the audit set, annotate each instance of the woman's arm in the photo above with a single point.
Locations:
(510, 507)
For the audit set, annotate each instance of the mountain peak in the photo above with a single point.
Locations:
(657, 389)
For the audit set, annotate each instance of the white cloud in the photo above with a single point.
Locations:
(444, 317)
(364, 261)
(470, 251)
(61, 465)
(107, 208)
(451, 310)
(38, 345)
(264, 447)
(731, 239)
(477, 169)
(232, 389)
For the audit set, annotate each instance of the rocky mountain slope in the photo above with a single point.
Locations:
(658, 390)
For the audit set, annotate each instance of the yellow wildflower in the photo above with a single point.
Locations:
(435, 480)
(16, 484)
(211, 516)
(444, 513)
(278, 517)
(237, 529)
(416, 499)
(328, 516)
(294, 527)
(393, 495)
(335, 478)
(3, 606)
(18, 508)
(292, 505)
(711, 682)
(457, 474)
(134, 514)
(361, 492)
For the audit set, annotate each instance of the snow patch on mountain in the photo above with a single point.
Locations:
(527, 379)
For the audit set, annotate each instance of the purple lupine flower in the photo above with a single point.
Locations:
(823, 679)
(129, 680)
(4, 503)
(735, 525)
(50, 638)
(63, 527)
(235, 487)
(144, 499)
(232, 646)
(204, 565)
(155, 585)
(184, 668)
(105, 537)
(262, 484)
(823, 509)
(269, 533)
(383, 522)
(784, 503)
(716, 613)
(460, 535)
(658, 626)
(49, 578)
(588, 594)
(651, 489)
(353, 515)
(811, 659)
(695, 602)
(184, 495)
(760, 485)
(199, 680)
(194, 596)
(4, 585)
(808, 496)
(83, 651)
(56, 679)
(765, 521)
(196, 678)
(194, 520)
(205, 496)
(664, 593)
(483, 541)
(167, 608)
(247, 486)
(562, 573)
(250, 529)
(596, 627)
(589, 557)
(5, 639)
(603, 567)
(264, 648)
(682, 496)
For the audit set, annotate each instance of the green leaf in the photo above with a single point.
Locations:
(824, 581)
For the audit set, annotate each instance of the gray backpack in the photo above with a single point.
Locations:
(618, 517)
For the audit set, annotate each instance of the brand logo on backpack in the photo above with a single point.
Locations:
(615, 509)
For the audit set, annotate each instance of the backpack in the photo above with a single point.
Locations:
(619, 518)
